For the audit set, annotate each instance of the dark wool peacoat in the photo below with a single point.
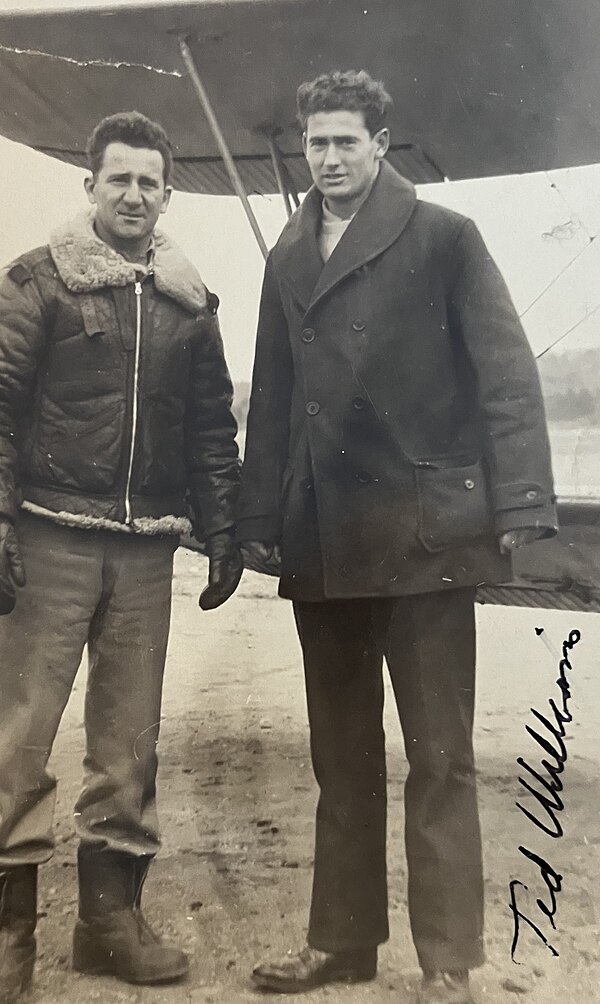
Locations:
(396, 423)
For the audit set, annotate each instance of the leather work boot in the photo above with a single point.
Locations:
(445, 988)
(312, 968)
(18, 916)
(112, 936)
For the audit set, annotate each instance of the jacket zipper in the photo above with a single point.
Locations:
(134, 409)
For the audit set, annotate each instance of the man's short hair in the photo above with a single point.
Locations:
(131, 128)
(345, 90)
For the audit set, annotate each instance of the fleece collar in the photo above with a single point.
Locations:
(86, 263)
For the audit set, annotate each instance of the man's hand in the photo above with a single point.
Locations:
(12, 570)
(513, 539)
(261, 557)
(225, 570)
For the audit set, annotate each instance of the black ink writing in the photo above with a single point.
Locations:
(549, 802)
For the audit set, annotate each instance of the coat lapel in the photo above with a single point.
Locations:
(377, 224)
(297, 257)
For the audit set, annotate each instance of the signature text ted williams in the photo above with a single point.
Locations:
(548, 800)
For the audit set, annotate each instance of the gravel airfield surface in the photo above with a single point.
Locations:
(237, 800)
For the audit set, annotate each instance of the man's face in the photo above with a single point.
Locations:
(129, 193)
(342, 155)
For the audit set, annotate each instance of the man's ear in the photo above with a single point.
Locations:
(89, 185)
(382, 141)
(166, 199)
(304, 145)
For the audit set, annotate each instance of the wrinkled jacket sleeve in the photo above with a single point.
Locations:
(22, 339)
(267, 437)
(508, 387)
(213, 466)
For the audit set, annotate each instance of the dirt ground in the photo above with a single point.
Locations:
(237, 799)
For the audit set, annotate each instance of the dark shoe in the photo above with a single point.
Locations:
(312, 968)
(112, 936)
(18, 916)
(445, 988)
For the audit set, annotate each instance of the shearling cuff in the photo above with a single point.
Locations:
(145, 526)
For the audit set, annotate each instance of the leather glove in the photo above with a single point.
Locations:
(224, 570)
(513, 539)
(12, 569)
(261, 557)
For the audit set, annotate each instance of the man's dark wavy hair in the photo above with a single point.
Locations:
(131, 128)
(345, 90)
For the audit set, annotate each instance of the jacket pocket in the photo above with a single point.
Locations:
(453, 506)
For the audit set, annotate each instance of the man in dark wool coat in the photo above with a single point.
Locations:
(396, 454)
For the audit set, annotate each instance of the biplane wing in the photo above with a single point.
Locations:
(481, 87)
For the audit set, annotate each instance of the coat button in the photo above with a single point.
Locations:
(358, 324)
(530, 496)
(469, 483)
(359, 403)
(306, 484)
(363, 477)
(313, 408)
(308, 335)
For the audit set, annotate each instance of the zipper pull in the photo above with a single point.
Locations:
(138, 288)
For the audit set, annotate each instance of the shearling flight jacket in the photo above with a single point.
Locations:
(96, 423)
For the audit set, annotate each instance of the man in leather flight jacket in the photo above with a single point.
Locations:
(115, 423)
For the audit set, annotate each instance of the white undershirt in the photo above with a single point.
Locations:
(332, 230)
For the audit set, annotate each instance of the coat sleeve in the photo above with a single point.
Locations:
(212, 460)
(267, 436)
(22, 341)
(508, 389)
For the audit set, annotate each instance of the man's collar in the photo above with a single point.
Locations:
(151, 252)
(330, 217)
(376, 225)
(85, 263)
(145, 261)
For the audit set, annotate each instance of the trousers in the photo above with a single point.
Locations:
(428, 642)
(111, 591)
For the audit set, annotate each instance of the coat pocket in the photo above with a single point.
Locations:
(453, 505)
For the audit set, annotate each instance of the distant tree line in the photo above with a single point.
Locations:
(570, 382)
(571, 385)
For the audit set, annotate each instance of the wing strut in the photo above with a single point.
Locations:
(224, 150)
(286, 187)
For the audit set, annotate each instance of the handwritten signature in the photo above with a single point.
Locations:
(548, 799)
